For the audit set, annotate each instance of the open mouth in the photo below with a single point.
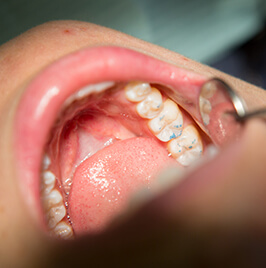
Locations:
(100, 124)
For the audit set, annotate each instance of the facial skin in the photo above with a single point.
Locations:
(233, 200)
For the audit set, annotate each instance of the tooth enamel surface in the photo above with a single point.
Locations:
(55, 215)
(208, 90)
(63, 230)
(205, 109)
(151, 105)
(46, 162)
(48, 182)
(168, 123)
(137, 91)
(186, 148)
(52, 199)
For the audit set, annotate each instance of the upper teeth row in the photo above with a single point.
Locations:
(165, 121)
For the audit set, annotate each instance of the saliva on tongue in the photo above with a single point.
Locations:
(103, 183)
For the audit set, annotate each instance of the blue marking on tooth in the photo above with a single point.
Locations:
(161, 118)
(172, 136)
(193, 141)
(190, 147)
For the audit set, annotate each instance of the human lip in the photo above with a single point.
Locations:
(46, 94)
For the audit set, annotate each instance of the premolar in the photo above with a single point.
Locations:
(188, 147)
(169, 123)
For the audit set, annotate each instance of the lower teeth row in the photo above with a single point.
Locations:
(165, 121)
(55, 210)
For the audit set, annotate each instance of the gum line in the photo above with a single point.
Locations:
(165, 121)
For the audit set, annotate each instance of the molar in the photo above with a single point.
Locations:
(188, 147)
(55, 215)
(151, 105)
(63, 230)
(52, 199)
(169, 123)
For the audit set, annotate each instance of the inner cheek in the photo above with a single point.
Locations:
(100, 152)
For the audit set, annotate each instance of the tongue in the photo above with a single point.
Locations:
(103, 183)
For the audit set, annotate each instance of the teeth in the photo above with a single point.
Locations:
(52, 199)
(53, 205)
(63, 230)
(186, 148)
(55, 215)
(205, 109)
(137, 91)
(46, 162)
(168, 123)
(207, 92)
(151, 105)
(48, 182)
(166, 120)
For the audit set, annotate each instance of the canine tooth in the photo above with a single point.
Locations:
(48, 181)
(63, 230)
(55, 215)
(52, 199)
(151, 105)
(168, 123)
(137, 91)
(186, 148)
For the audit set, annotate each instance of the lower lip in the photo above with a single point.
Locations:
(45, 95)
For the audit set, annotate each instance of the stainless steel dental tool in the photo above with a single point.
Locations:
(240, 113)
(223, 111)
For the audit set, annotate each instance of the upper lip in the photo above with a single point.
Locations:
(46, 93)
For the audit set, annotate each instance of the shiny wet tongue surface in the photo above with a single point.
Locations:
(115, 155)
(103, 183)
